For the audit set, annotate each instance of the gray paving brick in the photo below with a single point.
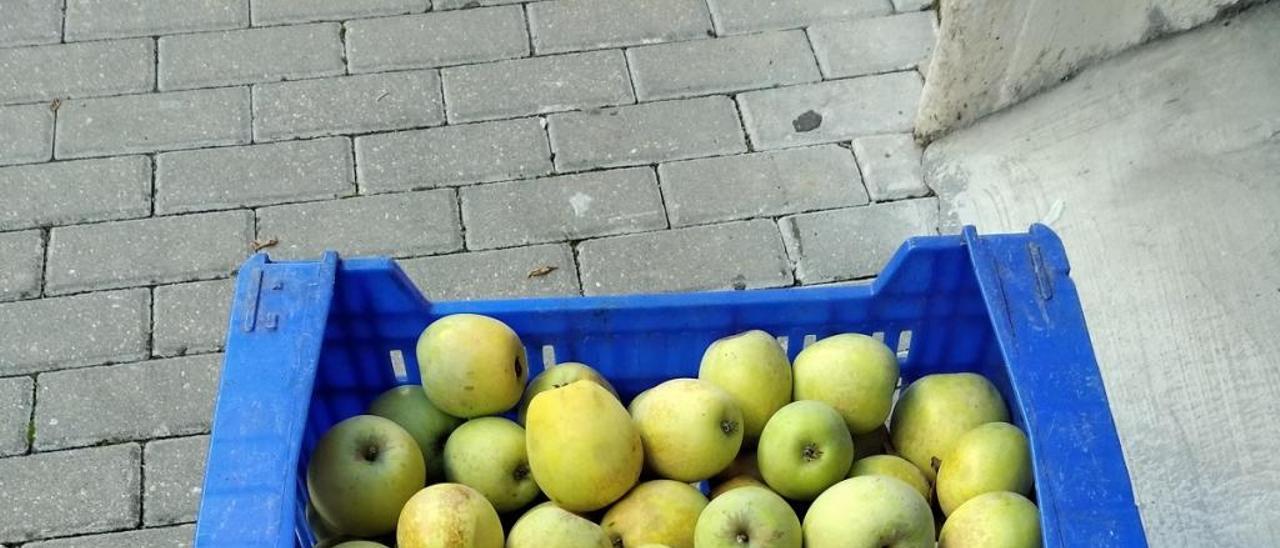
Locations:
(738, 16)
(833, 111)
(736, 63)
(191, 317)
(760, 184)
(69, 492)
(147, 251)
(437, 39)
(495, 274)
(417, 223)
(458, 4)
(23, 257)
(170, 397)
(854, 243)
(108, 326)
(569, 207)
(253, 175)
(912, 5)
(453, 155)
(347, 104)
(160, 537)
(15, 414)
(173, 477)
(890, 166)
(43, 73)
(570, 25)
(745, 254)
(96, 19)
(537, 85)
(250, 56)
(645, 133)
(77, 191)
(153, 122)
(274, 12)
(24, 22)
(870, 46)
(26, 134)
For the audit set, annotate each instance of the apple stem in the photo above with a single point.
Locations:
(811, 452)
(728, 427)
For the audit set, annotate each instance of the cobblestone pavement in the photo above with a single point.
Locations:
(643, 145)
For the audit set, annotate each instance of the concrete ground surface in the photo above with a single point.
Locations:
(148, 146)
(1159, 170)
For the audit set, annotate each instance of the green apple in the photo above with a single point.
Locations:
(361, 473)
(549, 525)
(748, 517)
(659, 511)
(448, 514)
(992, 520)
(804, 449)
(754, 370)
(409, 407)
(872, 511)
(853, 373)
(990, 457)
(557, 376)
(472, 365)
(488, 455)
(935, 410)
(691, 429)
(875, 442)
(894, 467)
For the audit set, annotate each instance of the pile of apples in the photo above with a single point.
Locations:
(438, 465)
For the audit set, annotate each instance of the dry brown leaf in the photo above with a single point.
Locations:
(259, 245)
(542, 271)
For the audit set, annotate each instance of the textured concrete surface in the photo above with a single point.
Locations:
(496, 148)
(1158, 169)
(995, 53)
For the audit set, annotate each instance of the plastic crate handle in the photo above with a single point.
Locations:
(272, 352)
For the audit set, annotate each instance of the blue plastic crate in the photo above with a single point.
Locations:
(313, 342)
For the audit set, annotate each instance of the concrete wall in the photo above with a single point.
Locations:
(993, 53)
(1160, 169)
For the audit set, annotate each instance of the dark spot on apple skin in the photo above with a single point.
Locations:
(468, 388)
(519, 369)
(521, 472)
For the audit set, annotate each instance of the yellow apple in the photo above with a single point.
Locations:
(448, 514)
(870, 511)
(549, 525)
(584, 450)
(990, 457)
(992, 520)
(471, 365)
(853, 373)
(753, 517)
(557, 376)
(659, 511)
(894, 467)
(935, 410)
(691, 429)
(754, 370)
